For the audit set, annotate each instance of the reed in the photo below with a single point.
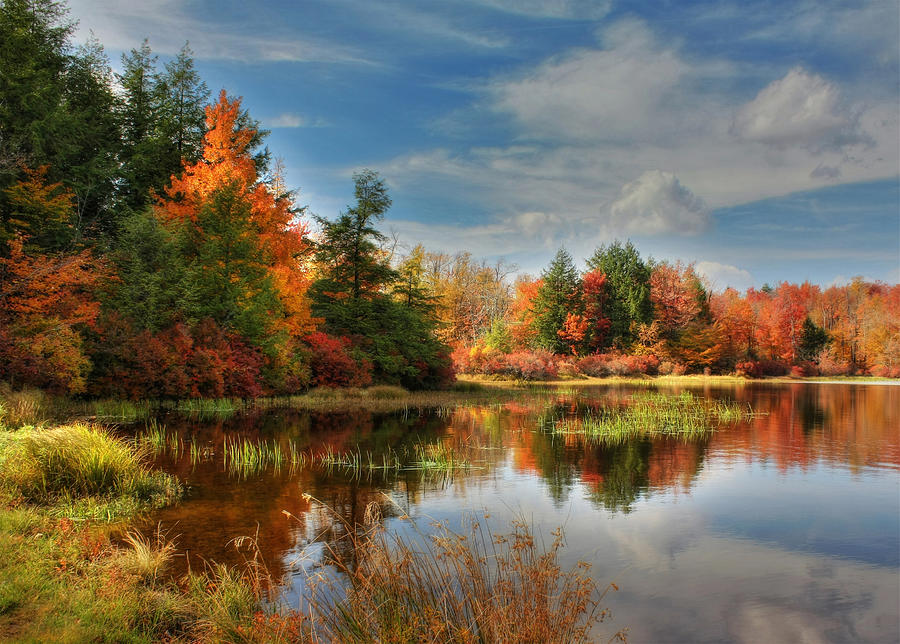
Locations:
(438, 456)
(652, 414)
(244, 458)
(476, 586)
(158, 440)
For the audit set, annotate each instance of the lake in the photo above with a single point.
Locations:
(780, 527)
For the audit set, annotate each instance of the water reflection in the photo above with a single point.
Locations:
(785, 526)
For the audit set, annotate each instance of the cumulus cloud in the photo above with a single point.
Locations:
(724, 275)
(803, 110)
(628, 90)
(656, 203)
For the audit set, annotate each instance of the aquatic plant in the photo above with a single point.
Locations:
(652, 414)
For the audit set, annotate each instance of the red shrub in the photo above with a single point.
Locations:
(333, 365)
(885, 371)
(804, 370)
(530, 365)
(617, 364)
(748, 369)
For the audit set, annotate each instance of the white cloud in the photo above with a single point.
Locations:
(167, 24)
(631, 90)
(586, 123)
(721, 276)
(293, 120)
(801, 109)
(571, 9)
(656, 203)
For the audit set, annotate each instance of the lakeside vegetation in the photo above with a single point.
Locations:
(150, 250)
(651, 414)
(67, 578)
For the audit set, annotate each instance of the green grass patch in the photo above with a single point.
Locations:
(82, 470)
(652, 414)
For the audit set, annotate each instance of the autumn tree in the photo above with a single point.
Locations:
(469, 294)
(227, 177)
(594, 295)
(521, 311)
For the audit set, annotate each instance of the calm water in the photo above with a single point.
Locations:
(782, 528)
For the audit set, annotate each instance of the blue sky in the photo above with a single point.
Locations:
(757, 139)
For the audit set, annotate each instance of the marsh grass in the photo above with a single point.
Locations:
(244, 458)
(652, 414)
(158, 440)
(146, 557)
(77, 465)
(25, 407)
(438, 456)
(445, 586)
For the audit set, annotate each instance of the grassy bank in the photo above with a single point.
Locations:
(34, 407)
(695, 380)
(64, 579)
(80, 471)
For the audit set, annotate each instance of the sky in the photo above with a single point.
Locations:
(759, 140)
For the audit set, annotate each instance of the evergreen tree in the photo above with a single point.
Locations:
(56, 109)
(411, 287)
(89, 162)
(227, 275)
(628, 286)
(350, 251)
(813, 339)
(355, 295)
(144, 149)
(185, 96)
(150, 273)
(558, 296)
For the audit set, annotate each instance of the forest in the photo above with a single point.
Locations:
(149, 248)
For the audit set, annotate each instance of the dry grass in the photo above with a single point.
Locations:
(451, 587)
(146, 557)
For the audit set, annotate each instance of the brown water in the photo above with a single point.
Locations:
(784, 527)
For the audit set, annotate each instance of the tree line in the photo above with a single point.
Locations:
(150, 248)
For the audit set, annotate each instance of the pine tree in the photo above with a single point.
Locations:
(558, 296)
(185, 96)
(144, 148)
(350, 249)
(628, 286)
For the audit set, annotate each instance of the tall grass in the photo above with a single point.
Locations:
(79, 460)
(438, 456)
(146, 557)
(653, 414)
(476, 586)
(25, 407)
(244, 458)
